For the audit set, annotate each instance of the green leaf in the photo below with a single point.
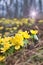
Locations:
(1, 45)
(32, 36)
(10, 51)
(26, 41)
(2, 63)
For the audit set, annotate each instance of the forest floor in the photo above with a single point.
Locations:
(31, 55)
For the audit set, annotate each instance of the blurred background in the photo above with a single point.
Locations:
(20, 15)
(19, 8)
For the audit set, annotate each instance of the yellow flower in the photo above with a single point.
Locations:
(15, 19)
(3, 19)
(17, 25)
(6, 39)
(2, 58)
(17, 22)
(33, 31)
(18, 37)
(24, 34)
(17, 47)
(17, 41)
(7, 21)
(6, 47)
(25, 21)
(15, 28)
(12, 41)
(1, 27)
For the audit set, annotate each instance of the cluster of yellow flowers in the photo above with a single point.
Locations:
(14, 24)
(17, 21)
(25, 34)
(16, 41)
(13, 21)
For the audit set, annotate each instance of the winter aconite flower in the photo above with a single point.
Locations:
(5, 47)
(24, 34)
(2, 58)
(18, 41)
(6, 39)
(33, 31)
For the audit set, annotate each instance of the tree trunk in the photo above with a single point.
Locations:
(40, 5)
(25, 11)
(16, 9)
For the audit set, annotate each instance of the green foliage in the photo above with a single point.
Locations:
(10, 51)
(2, 63)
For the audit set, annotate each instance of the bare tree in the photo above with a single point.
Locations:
(16, 8)
(25, 10)
(40, 5)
